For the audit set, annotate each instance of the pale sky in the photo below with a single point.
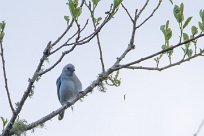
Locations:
(167, 103)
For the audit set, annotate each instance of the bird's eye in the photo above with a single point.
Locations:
(68, 68)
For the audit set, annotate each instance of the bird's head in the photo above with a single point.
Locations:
(68, 69)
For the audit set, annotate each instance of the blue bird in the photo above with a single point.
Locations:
(68, 86)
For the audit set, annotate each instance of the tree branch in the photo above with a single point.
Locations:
(199, 128)
(63, 34)
(5, 77)
(26, 94)
(97, 36)
(66, 43)
(89, 89)
(151, 15)
(127, 12)
(131, 45)
(158, 53)
(165, 67)
(143, 8)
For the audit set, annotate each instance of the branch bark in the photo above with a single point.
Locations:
(5, 76)
(158, 53)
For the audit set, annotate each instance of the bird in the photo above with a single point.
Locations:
(68, 86)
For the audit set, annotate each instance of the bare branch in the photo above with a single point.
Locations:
(26, 94)
(160, 52)
(131, 45)
(66, 43)
(67, 105)
(5, 76)
(199, 128)
(97, 37)
(63, 34)
(151, 15)
(143, 8)
(166, 67)
(127, 12)
(79, 42)
(63, 54)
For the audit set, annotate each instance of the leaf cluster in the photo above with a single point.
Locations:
(75, 10)
(2, 27)
(19, 127)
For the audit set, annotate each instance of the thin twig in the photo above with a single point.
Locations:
(63, 34)
(5, 77)
(165, 67)
(69, 104)
(143, 8)
(199, 128)
(63, 55)
(25, 95)
(97, 37)
(151, 15)
(10, 124)
(126, 10)
(66, 43)
(131, 45)
(160, 52)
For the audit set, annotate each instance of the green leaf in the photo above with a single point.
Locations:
(168, 34)
(97, 21)
(178, 12)
(186, 38)
(187, 22)
(201, 26)
(67, 18)
(2, 26)
(182, 8)
(116, 3)
(163, 47)
(4, 121)
(167, 24)
(202, 15)
(95, 2)
(194, 30)
(2, 35)
(162, 29)
(184, 50)
(170, 52)
(74, 9)
(189, 52)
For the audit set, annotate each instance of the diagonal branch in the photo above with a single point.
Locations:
(131, 45)
(166, 67)
(5, 77)
(143, 8)
(63, 54)
(151, 15)
(67, 105)
(126, 10)
(97, 36)
(66, 43)
(63, 34)
(26, 94)
(160, 52)
(199, 128)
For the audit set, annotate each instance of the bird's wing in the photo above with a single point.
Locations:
(58, 83)
(77, 83)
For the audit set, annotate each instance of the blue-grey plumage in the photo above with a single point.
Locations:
(68, 86)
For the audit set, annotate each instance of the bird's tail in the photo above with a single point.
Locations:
(61, 115)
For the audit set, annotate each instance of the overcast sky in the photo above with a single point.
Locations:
(167, 103)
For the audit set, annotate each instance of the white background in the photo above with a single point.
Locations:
(167, 103)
